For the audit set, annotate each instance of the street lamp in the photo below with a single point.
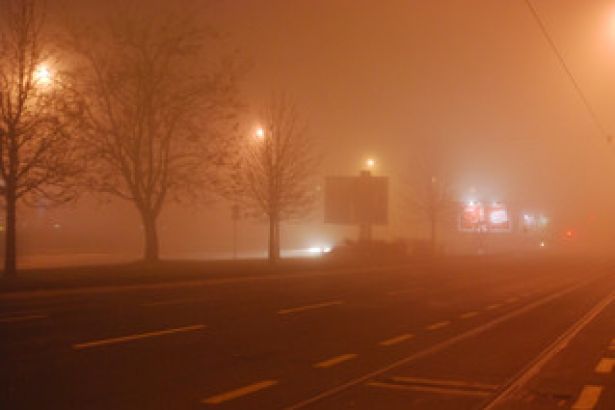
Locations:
(42, 75)
(260, 134)
(370, 163)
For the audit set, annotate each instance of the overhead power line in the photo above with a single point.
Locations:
(573, 80)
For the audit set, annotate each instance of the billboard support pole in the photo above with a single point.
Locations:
(365, 226)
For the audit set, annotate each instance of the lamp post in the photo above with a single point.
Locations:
(260, 134)
(43, 76)
(370, 164)
(365, 225)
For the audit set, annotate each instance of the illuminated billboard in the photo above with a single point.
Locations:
(497, 217)
(471, 216)
(534, 222)
(529, 221)
(477, 217)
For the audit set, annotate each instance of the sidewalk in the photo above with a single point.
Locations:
(167, 274)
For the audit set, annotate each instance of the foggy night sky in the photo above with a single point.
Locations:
(473, 78)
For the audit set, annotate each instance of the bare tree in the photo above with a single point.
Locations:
(429, 192)
(275, 175)
(37, 156)
(156, 110)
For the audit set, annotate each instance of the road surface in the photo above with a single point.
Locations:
(477, 334)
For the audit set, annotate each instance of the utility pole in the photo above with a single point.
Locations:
(365, 224)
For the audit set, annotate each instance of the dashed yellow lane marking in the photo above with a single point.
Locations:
(438, 347)
(549, 353)
(605, 365)
(242, 391)
(468, 315)
(309, 307)
(395, 340)
(335, 360)
(588, 398)
(130, 338)
(23, 318)
(493, 307)
(438, 325)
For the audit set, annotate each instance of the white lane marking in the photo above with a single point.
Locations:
(242, 391)
(130, 338)
(445, 383)
(605, 365)
(335, 360)
(493, 307)
(395, 340)
(438, 325)
(468, 315)
(588, 398)
(309, 307)
(14, 319)
(436, 390)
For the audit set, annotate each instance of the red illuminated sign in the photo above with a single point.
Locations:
(491, 218)
(471, 216)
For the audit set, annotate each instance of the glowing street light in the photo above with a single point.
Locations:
(42, 75)
(260, 134)
(370, 163)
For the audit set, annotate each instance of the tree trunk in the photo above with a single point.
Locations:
(151, 249)
(277, 239)
(274, 243)
(10, 252)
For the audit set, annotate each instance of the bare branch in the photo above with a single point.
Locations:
(155, 106)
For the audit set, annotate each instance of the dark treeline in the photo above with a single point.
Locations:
(140, 103)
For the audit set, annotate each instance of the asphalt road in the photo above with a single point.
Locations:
(475, 334)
